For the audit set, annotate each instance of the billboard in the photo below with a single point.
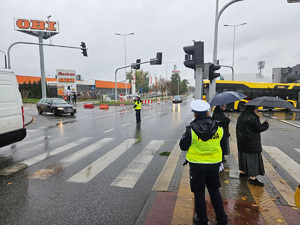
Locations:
(35, 27)
(66, 82)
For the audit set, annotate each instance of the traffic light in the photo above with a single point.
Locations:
(194, 55)
(137, 65)
(211, 74)
(157, 60)
(84, 49)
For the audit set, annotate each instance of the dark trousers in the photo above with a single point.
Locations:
(200, 178)
(138, 115)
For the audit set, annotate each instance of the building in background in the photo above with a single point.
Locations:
(85, 88)
(286, 75)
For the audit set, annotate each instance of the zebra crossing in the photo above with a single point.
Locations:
(133, 171)
(127, 178)
(287, 163)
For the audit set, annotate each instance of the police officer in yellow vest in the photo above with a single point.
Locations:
(202, 140)
(138, 106)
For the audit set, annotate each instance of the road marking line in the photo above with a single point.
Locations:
(25, 142)
(135, 169)
(267, 207)
(125, 124)
(284, 189)
(285, 161)
(28, 162)
(89, 172)
(146, 117)
(163, 181)
(295, 125)
(297, 149)
(108, 130)
(69, 160)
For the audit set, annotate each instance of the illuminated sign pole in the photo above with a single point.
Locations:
(43, 30)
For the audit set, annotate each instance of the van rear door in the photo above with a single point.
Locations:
(12, 128)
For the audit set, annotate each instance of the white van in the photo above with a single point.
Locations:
(12, 127)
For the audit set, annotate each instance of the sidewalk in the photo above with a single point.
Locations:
(245, 204)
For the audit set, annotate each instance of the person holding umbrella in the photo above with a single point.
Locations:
(248, 129)
(224, 121)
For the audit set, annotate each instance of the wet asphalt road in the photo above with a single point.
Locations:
(42, 193)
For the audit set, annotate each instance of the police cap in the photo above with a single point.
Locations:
(199, 106)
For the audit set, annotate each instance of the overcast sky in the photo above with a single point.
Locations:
(272, 34)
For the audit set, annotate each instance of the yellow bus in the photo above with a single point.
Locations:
(288, 91)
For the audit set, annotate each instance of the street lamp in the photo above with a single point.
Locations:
(4, 58)
(226, 25)
(167, 77)
(124, 35)
(212, 85)
(49, 28)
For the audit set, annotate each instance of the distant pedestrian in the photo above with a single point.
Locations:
(224, 122)
(137, 106)
(248, 129)
(74, 98)
(202, 140)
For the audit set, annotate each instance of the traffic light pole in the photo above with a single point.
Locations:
(116, 89)
(43, 80)
(199, 82)
(212, 85)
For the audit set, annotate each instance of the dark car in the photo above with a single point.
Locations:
(177, 99)
(57, 106)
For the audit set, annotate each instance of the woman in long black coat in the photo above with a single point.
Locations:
(224, 121)
(248, 129)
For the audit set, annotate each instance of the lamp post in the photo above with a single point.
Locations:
(212, 85)
(48, 17)
(124, 35)
(167, 77)
(234, 26)
(4, 58)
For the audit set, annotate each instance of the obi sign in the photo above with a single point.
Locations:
(66, 82)
(36, 27)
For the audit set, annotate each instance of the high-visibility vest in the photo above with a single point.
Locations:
(207, 152)
(138, 105)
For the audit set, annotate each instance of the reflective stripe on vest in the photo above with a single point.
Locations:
(205, 151)
(138, 105)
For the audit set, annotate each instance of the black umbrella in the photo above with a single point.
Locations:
(271, 102)
(226, 97)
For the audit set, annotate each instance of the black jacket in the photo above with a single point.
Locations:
(203, 126)
(248, 129)
(223, 120)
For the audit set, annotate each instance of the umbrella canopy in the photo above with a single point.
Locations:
(226, 97)
(272, 102)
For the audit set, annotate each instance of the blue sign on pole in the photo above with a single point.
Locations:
(93, 87)
(141, 89)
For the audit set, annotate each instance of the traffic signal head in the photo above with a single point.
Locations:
(157, 60)
(137, 65)
(211, 73)
(194, 55)
(84, 49)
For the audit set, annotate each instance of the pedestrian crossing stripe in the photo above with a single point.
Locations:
(31, 161)
(69, 160)
(135, 169)
(285, 161)
(89, 172)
